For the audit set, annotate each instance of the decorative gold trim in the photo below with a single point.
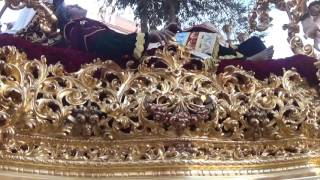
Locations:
(88, 35)
(151, 121)
(139, 46)
(154, 121)
(200, 175)
(64, 30)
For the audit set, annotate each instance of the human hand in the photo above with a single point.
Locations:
(166, 34)
(162, 36)
(173, 27)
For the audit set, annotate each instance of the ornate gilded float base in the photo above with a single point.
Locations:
(177, 119)
(305, 174)
(162, 157)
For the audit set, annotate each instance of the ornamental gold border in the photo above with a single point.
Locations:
(179, 119)
(267, 167)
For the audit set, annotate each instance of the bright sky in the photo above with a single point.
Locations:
(276, 36)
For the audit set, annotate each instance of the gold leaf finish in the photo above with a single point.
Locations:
(172, 116)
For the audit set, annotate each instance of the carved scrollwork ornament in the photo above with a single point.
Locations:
(47, 19)
(259, 20)
(298, 47)
(117, 119)
(173, 115)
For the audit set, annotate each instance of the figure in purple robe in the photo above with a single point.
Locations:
(92, 36)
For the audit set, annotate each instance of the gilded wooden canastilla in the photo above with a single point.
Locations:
(171, 116)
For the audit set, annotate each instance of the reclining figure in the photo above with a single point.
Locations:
(92, 36)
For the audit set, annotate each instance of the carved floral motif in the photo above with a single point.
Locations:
(172, 109)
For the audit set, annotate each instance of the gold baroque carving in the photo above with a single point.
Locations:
(47, 19)
(173, 114)
(260, 20)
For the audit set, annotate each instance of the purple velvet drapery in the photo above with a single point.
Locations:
(67, 57)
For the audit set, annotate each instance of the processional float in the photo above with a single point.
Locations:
(104, 121)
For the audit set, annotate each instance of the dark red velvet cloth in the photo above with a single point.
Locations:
(72, 60)
(303, 64)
